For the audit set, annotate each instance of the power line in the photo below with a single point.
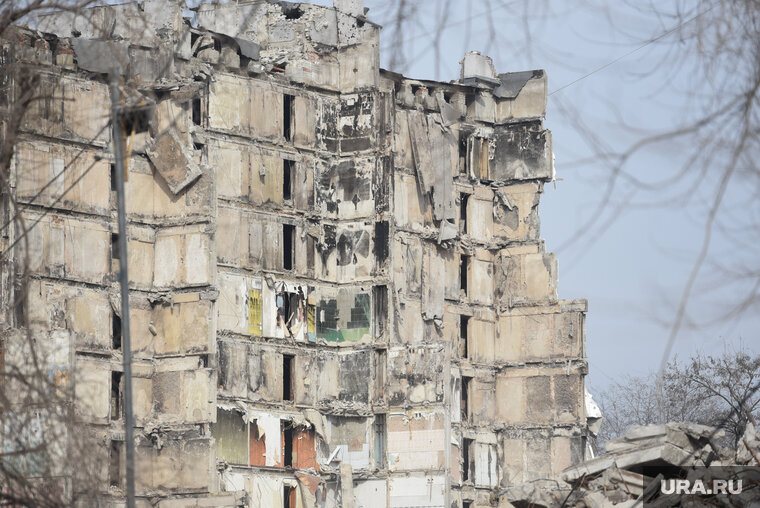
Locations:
(651, 41)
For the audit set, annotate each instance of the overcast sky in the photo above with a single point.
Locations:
(633, 265)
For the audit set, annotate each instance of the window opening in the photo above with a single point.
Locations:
(380, 302)
(464, 262)
(466, 446)
(378, 428)
(463, 200)
(116, 395)
(380, 360)
(291, 309)
(115, 254)
(463, 160)
(466, 381)
(112, 169)
(136, 120)
(197, 111)
(288, 496)
(381, 241)
(288, 241)
(464, 321)
(287, 377)
(115, 331)
(287, 116)
(114, 467)
(287, 443)
(287, 179)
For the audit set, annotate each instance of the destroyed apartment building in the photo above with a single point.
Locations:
(339, 294)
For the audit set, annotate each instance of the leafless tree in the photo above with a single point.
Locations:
(720, 391)
(717, 44)
(48, 457)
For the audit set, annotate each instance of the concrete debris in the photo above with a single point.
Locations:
(421, 150)
(101, 55)
(447, 231)
(248, 49)
(173, 163)
(449, 114)
(539, 494)
(511, 83)
(748, 452)
(639, 467)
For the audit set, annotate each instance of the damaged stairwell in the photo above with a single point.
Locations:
(339, 293)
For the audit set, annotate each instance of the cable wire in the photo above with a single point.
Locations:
(651, 41)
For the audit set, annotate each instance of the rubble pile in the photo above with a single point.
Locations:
(669, 465)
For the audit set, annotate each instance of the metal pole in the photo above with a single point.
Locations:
(126, 348)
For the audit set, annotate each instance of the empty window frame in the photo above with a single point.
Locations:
(291, 310)
(464, 322)
(466, 382)
(113, 176)
(464, 264)
(288, 174)
(463, 199)
(114, 466)
(287, 443)
(288, 496)
(464, 165)
(116, 395)
(381, 356)
(115, 254)
(466, 459)
(479, 158)
(287, 116)
(19, 308)
(380, 241)
(288, 246)
(136, 120)
(378, 431)
(288, 364)
(380, 308)
(115, 331)
(196, 106)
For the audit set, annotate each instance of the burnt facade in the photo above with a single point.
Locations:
(339, 293)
